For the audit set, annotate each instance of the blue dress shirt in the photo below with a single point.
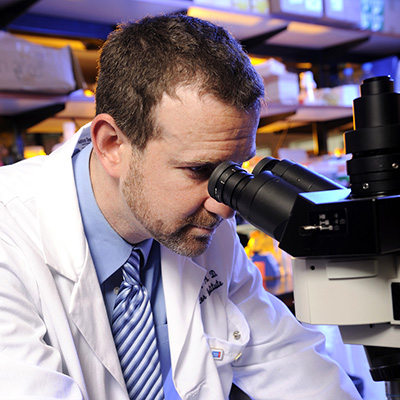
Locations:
(110, 251)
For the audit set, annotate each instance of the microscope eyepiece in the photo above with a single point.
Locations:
(266, 197)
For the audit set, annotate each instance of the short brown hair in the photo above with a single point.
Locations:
(142, 60)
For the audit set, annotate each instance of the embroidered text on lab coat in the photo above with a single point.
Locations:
(210, 284)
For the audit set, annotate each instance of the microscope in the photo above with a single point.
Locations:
(345, 242)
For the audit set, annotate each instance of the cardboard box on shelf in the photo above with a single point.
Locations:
(29, 67)
(270, 67)
(342, 96)
(282, 88)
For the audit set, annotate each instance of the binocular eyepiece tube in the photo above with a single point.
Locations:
(265, 198)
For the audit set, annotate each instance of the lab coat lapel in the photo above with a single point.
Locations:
(89, 314)
(191, 360)
(182, 280)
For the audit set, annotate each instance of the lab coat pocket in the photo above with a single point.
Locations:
(229, 349)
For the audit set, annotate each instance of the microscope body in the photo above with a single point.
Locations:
(347, 243)
(346, 263)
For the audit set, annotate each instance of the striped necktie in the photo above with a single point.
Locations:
(134, 335)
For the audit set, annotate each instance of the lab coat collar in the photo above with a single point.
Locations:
(57, 206)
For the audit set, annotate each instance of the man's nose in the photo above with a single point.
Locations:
(213, 206)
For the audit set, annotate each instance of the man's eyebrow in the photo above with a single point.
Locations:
(200, 162)
(203, 162)
(206, 162)
(211, 163)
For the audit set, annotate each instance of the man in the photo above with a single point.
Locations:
(176, 96)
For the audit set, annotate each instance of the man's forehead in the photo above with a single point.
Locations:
(207, 132)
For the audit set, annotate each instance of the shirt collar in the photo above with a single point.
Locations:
(108, 250)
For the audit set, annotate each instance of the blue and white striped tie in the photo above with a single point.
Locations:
(134, 335)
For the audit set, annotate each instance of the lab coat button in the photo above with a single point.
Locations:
(116, 290)
(236, 335)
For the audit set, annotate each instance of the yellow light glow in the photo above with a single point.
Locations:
(304, 65)
(246, 165)
(307, 29)
(224, 16)
(53, 42)
(33, 151)
(338, 152)
(257, 60)
(88, 93)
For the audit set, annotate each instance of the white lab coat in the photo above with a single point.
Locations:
(55, 338)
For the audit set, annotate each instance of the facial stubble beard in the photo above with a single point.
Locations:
(180, 240)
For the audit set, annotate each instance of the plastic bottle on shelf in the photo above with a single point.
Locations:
(307, 87)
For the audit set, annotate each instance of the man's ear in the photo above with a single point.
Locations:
(109, 143)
